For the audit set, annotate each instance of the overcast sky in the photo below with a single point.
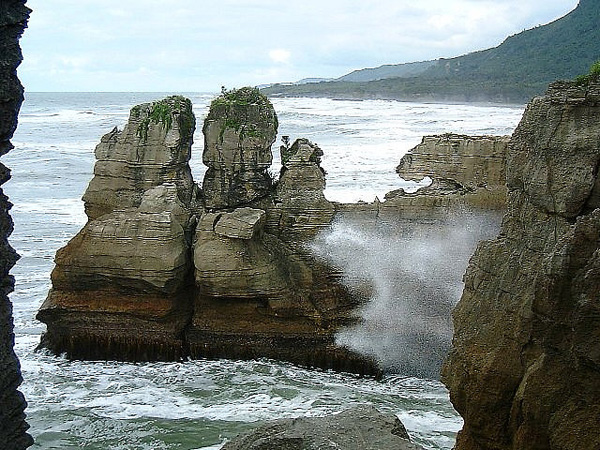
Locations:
(200, 45)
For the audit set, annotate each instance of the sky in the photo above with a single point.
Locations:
(201, 45)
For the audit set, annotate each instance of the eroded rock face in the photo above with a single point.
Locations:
(359, 428)
(13, 428)
(256, 297)
(471, 161)
(525, 363)
(120, 288)
(238, 132)
(300, 208)
(153, 148)
(152, 275)
(466, 172)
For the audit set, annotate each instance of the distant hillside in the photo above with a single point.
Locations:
(407, 70)
(518, 69)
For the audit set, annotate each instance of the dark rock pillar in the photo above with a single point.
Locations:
(13, 20)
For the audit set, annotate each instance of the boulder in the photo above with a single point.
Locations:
(359, 428)
(239, 130)
(525, 363)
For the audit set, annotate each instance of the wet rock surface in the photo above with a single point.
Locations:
(359, 428)
(13, 427)
(524, 365)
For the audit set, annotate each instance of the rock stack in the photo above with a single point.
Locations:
(525, 363)
(120, 288)
(238, 132)
(300, 208)
(157, 274)
(153, 148)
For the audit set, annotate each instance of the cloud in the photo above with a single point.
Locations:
(193, 45)
(280, 55)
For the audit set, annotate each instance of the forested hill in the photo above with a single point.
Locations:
(518, 69)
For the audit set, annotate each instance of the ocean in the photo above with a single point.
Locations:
(200, 404)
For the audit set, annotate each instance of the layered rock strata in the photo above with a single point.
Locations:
(525, 363)
(13, 428)
(153, 148)
(359, 428)
(154, 275)
(466, 172)
(121, 287)
(238, 132)
(300, 208)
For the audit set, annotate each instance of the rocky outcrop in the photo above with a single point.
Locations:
(470, 161)
(153, 275)
(153, 148)
(300, 208)
(13, 428)
(359, 428)
(466, 172)
(238, 132)
(525, 363)
(121, 287)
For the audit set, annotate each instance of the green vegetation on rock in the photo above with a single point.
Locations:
(592, 75)
(163, 111)
(235, 106)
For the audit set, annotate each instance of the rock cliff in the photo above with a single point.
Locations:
(525, 363)
(13, 428)
(158, 274)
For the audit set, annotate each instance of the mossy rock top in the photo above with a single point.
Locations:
(175, 107)
(244, 110)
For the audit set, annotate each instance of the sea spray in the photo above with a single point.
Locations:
(413, 274)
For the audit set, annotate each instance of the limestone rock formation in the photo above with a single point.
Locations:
(256, 297)
(120, 288)
(466, 171)
(300, 208)
(13, 428)
(359, 428)
(471, 161)
(153, 275)
(238, 131)
(525, 363)
(153, 148)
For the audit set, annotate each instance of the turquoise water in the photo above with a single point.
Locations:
(200, 404)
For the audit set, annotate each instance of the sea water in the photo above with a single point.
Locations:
(200, 404)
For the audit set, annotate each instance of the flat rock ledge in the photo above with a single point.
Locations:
(359, 428)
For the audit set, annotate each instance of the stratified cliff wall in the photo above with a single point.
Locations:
(524, 370)
(13, 20)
